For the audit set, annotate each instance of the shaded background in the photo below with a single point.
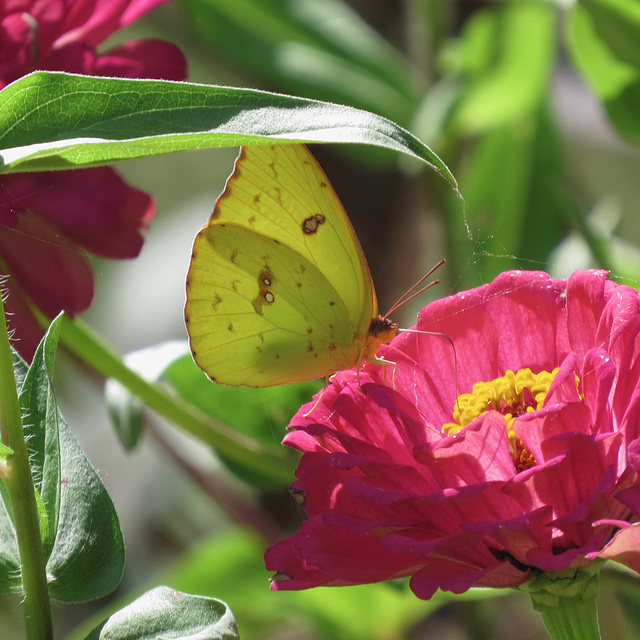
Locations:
(547, 160)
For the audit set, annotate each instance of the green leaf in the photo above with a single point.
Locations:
(126, 409)
(81, 537)
(41, 426)
(52, 120)
(166, 613)
(9, 554)
(614, 79)
(507, 55)
(605, 73)
(262, 414)
(5, 452)
(617, 23)
(87, 558)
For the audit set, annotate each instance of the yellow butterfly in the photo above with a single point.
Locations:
(278, 288)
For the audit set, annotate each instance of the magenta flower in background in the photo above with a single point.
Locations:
(62, 35)
(527, 460)
(49, 220)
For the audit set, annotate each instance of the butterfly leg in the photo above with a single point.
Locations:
(317, 402)
(381, 362)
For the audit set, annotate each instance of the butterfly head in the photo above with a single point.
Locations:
(381, 330)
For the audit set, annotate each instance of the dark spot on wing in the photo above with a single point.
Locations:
(311, 224)
(272, 165)
(265, 295)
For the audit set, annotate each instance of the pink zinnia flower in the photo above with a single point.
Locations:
(62, 35)
(49, 220)
(522, 458)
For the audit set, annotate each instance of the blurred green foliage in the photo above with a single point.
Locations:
(535, 107)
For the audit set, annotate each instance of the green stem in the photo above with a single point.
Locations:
(81, 340)
(19, 484)
(567, 602)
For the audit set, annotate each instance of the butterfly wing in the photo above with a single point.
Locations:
(278, 289)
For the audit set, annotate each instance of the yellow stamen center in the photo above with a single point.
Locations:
(513, 395)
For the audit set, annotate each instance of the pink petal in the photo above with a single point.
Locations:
(585, 303)
(142, 59)
(55, 276)
(348, 559)
(94, 208)
(523, 305)
(459, 566)
(562, 389)
(634, 455)
(478, 453)
(431, 401)
(463, 319)
(293, 572)
(624, 548)
(94, 20)
(539, 429)
(75, 57)
(598, 380)
(16, 48)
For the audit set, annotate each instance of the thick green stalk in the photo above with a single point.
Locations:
(19, 483)
(567, 602)
(80, 339)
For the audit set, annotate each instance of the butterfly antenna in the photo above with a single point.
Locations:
(411, 293)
